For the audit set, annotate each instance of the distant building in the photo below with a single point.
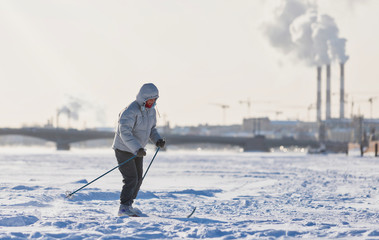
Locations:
(280, 129)
(336, 130)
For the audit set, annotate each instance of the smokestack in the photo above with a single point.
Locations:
(328, 104)
(342, 91)
(318, 103)
(58, 112)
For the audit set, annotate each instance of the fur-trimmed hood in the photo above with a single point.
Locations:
(147, 91)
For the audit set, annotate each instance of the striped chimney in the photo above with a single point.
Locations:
(328, 103)
(342, 91)
(318, 102)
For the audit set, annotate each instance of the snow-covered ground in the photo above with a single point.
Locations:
(237, 195)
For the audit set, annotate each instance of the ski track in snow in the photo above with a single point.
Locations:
(237, 195)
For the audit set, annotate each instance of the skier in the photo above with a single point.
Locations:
(136, 125)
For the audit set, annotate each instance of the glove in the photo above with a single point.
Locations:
(160, 143)
(141, 152)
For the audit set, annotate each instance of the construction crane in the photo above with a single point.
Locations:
(270, 112)
(248, 103)
(277, 113)
(223, 107)
(371, 101)
(301, 107)
(310, 107)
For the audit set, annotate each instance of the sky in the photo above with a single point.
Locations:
(92, 57)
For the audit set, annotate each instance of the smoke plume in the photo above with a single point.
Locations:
(75, 107)
(298, 29)
(72, 108)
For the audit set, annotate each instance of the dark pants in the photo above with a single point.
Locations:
(132, 176)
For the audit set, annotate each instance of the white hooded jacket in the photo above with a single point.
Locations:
(136, 124)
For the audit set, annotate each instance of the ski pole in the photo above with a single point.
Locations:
(150, 163)
(140, 180)
(69, 194)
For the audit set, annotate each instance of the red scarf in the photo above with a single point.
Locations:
(148, 106)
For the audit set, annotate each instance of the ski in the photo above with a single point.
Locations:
(194, 209)
(129, 216)
(179, 217)
(145, 215)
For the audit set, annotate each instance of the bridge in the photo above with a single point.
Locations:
(64, 137)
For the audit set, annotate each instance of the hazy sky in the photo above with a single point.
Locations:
(93, 56)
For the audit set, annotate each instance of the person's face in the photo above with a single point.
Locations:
(150, 102)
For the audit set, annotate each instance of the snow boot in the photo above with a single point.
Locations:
(136, 210)
(126, 210)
